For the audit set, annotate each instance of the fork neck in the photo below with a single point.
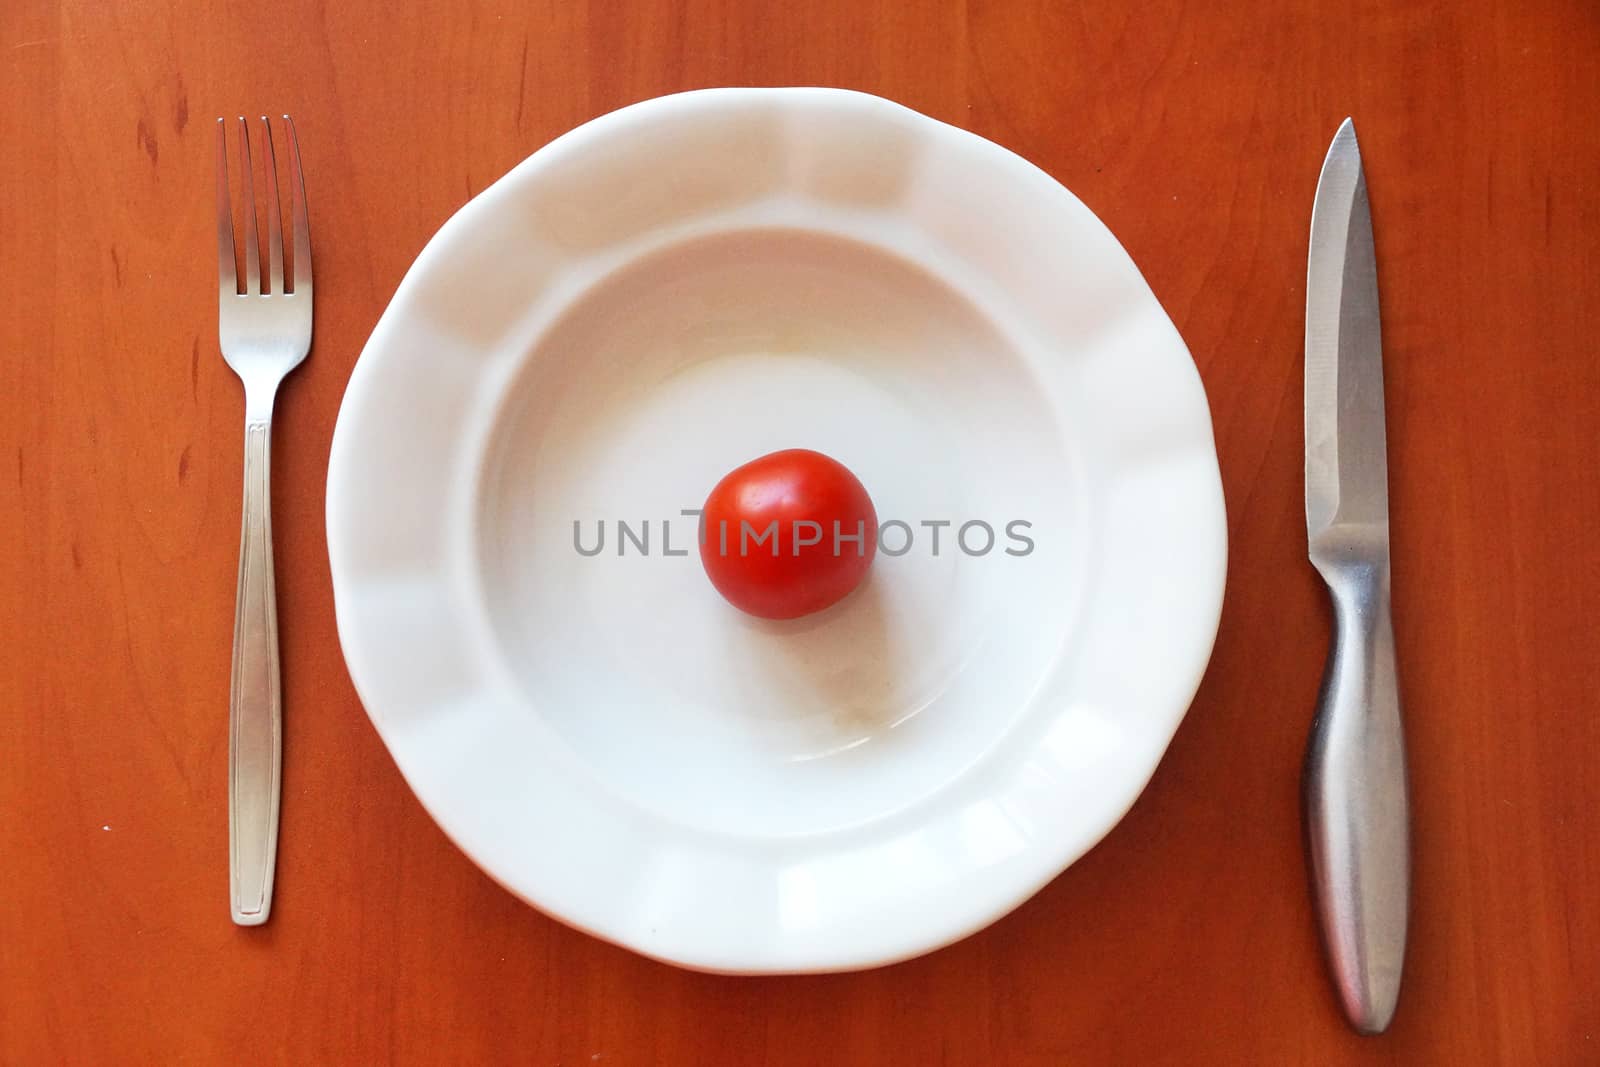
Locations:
(258, 401)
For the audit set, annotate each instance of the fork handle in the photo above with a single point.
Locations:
(255, 748)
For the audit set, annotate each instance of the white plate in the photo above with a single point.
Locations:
(657, 297)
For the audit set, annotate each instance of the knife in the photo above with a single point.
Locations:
(1355, 775)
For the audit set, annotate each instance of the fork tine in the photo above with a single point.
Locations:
(302, 228)
(274, 217)
(227, 269)
(252, 244)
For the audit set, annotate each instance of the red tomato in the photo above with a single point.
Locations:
(788, 534)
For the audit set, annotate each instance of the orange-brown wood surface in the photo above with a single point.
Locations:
(1196, 133)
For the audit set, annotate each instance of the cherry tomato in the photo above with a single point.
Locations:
(788, 534)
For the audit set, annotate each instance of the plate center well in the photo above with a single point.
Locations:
(699, 358)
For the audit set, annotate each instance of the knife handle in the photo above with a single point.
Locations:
(1355, 799)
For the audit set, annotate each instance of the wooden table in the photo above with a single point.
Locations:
(1187, 936)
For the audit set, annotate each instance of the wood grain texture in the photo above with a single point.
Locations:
(1187, 936)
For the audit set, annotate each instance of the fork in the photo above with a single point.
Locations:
(264, 331)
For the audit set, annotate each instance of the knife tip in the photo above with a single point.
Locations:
(1345, 145)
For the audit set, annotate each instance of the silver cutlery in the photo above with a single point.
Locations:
(264, 329)
(1355, 774)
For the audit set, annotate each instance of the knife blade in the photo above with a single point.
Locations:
(1356, 806)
